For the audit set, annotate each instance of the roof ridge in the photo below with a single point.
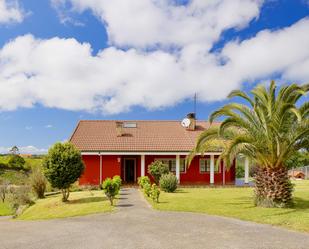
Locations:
(136, 120)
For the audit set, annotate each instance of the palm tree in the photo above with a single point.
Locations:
(268, 129)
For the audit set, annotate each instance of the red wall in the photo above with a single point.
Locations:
(91, 174)
(111, 167)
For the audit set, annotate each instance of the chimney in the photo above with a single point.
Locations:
(191, 117)
(119, 129)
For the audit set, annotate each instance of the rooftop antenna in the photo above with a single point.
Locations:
(195, 100)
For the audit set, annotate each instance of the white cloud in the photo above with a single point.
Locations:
(24, 150)
(49, 126)
(10, 11)
(63, 73)
(28, 128)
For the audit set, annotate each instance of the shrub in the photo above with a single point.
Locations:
(19, 196)
(4, 185)
(143, 180)
(38, 182)
(147, 189)
(157, 169)
(63, 165)
(168, 182)
(118, 180)
(155, 193)
(111, 189)
(16, 162)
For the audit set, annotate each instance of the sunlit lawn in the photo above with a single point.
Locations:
(80, 203)
(238, 203)
(5, 209)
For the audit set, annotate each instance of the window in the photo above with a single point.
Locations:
(205, 165)
(129, 125)
(171, 163)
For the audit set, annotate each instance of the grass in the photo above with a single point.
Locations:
(238, 203)
(80, 203)
(5, 209)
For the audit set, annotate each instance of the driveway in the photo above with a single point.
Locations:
(136, 225)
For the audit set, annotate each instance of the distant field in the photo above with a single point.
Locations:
(18, 177)
(30, 162)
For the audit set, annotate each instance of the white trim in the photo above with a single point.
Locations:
(212, 169)
(246, 170)
(142, 165)
(146, 153)
(223, 173)
(178, 168)
(100, 169)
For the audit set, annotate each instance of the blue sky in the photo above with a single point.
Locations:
(35, 123)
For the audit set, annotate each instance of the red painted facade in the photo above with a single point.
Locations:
(114, 165)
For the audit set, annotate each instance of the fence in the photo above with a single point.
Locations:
(302, 172)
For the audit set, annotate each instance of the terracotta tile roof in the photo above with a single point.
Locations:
(154, 136)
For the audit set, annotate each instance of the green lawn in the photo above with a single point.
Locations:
(238, 203)
(80, 203)
(5, 209)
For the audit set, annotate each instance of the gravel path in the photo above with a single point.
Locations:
(136, 225)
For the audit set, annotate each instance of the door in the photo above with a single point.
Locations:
(129, 170)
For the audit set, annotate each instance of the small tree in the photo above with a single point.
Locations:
(38, 182)
(16, 162)
(14, 150)
(155, 193)
(111, 189)
(143, 180)
(157, 169)
(63, 166)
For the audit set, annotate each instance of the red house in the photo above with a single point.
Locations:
(127, 148)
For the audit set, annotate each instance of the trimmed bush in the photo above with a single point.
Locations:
(63, 166)
(157, 169)
(143, 180)
(155, 193)
(38, 182)
(168, 182)
(118, 180)
(147, 189)
(111, 189)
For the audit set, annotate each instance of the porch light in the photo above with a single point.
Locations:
(118, 159)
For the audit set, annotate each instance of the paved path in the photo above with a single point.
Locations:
(136, 225)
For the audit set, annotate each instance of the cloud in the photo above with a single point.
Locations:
(10, 12)
(28, 128)
(49, 126)
(25, 150)
(140, 68)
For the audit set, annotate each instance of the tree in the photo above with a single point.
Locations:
(269, 130)
(111, 188)
(63, 166)
(38, 182)
(16, 161)
(157, 169)
(14, 150)
(299, 159)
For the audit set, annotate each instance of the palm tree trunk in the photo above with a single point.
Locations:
(273, 187)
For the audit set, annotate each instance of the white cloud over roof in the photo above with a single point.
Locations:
(10, 12)
(140, 68)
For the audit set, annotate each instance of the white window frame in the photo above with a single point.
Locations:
(172, 159)
(208, 171)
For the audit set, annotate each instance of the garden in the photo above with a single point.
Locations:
(50, 189)
(272, 131)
